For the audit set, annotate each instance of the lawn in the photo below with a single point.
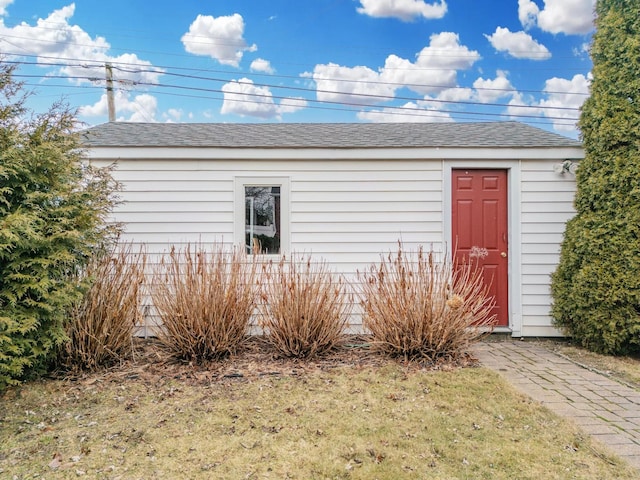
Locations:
(385, 420)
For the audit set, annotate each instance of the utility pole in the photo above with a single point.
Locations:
(111, 106)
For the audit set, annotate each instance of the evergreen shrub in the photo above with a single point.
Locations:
(53, 218)
(596, 287)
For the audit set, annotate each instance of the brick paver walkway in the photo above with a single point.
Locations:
(602, 407)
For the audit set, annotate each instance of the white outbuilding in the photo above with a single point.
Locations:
(347, 193)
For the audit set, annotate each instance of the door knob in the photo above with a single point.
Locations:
(503, 254)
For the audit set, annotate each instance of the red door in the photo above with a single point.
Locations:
(479, 211)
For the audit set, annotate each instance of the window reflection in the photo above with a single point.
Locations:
(262, 219)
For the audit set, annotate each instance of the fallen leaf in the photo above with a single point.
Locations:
(56, 461)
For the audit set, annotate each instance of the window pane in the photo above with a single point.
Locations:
(262, 219)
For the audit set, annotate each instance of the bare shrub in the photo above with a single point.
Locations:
(100, 326)
(417, 307)
(205, 300)
(305, 307)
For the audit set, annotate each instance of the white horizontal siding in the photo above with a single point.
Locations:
(547, 204)
(540, 248)
(536, 279)
(559, 206)
(333, 207)
(135, 198)
(346, 194)
(533, 330)
(381, 185)
(142, 205)
(564, 198)
(158, 243)
(190, 227)
(345, 212)
(169, 221)
(349, 216)
(170, 185)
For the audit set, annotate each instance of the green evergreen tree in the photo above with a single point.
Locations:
(53, 217)
(596, 287)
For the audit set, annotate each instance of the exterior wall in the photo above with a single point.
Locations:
(546, 205)
(349, 211)
(174, 202)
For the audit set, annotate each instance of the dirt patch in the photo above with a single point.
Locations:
(256, 359)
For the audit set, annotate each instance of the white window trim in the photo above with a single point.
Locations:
(239, 208)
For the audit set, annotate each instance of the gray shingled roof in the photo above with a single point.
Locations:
(323, 135)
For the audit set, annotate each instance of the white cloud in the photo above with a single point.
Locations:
(403, 9)
(582, 51)
(291, 105)
(261, 65)
(409, 112)
(359, 85)
(528, 13)
(437, 108)
(518, 44)
(523, 106)
(571, 17)
(561, 106)
(142, 108)
(220, 38)
(562, 94)
(435, 69)
(243, 98)
(455, 95)
(73, 43)
(246, 99)
(3, 6)
(490, 90)
(448, 100)
(173, 115)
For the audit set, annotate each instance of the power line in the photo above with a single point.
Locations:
(160, 70)
(136, 69)
(418, 113)
(322, 102)
(350, 94)
(307, 90)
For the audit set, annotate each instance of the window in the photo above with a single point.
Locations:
(264, 220)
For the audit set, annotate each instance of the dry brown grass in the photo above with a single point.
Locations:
(205, 300)
(386, 422)
(100, 327)
(305, 307)
(417, 307)
(622, 368)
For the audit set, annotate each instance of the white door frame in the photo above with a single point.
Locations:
(514, 221)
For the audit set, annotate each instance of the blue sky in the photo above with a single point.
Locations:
(306, 61)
